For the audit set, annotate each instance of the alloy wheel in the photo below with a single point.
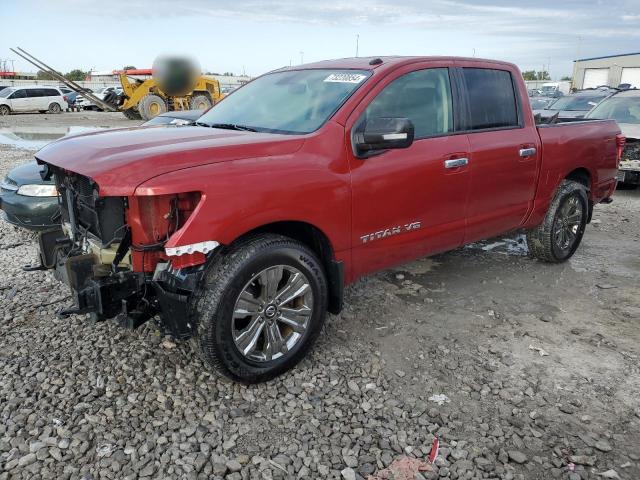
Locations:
(272, 313)
(567, 223)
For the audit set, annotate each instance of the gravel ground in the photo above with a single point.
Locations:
(523, 370)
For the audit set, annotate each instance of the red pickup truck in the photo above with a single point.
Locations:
(242, 230)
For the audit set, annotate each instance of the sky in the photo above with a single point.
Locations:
(255, 36)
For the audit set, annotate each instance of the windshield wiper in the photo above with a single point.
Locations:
(227, 126)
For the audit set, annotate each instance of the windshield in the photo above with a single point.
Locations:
(620, 109)
(4, 93)
(548, 89)
(538, 103)
(576, 102)
(297, 101)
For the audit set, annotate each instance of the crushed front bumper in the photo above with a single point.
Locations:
(107, 291)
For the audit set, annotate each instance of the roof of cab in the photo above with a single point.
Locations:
(365, 63)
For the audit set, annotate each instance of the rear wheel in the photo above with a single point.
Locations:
(261, 306)
(55, 108)
(151, 105)
(4, 110)
(200, 102)
(560, 234)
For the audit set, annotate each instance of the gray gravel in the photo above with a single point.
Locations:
(441, 346)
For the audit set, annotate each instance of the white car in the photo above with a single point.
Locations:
(31, 99)
(86, 104)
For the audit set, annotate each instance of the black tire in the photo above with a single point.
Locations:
(227, 277)
(544, 242)
(151, 106)
(200, 102)
(4, 110)
(131, 114)
(54, 108)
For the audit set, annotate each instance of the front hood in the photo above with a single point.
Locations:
(27, 174)
(630, 130)
(120, 160)
(572, 113)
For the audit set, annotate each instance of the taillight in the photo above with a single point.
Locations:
(620, 141)
(65, 98)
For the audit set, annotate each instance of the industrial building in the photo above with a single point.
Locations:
(611, 70)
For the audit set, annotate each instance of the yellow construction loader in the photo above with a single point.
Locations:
(176, 84)
(145, 99)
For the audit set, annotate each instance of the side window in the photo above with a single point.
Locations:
(423, 96)
(51, 92)
(492, 98)
(35, 92)
(18, 94)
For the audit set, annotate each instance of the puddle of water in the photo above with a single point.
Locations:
(34, 138)
(516, 245)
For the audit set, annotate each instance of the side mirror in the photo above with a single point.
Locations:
(383, 133)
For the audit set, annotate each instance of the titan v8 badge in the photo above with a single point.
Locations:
(388, 232)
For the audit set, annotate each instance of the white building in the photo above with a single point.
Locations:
(612, 70)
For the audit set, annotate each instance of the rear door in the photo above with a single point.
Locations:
(19, 101)
(37, 99)
(504, 145)
(52, 95)
(410, 202)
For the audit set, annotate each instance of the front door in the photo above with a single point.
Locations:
(410, 202)
(19, 101)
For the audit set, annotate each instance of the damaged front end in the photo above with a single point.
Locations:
(110, 251)
(629, 168)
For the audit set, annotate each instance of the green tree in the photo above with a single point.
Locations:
(41, 75)
(76, 75)
(536, 75)
(567, 78)
(129, 67)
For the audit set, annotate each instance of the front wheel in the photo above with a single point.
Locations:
(4, 110)
(261, 306)
(560, 234)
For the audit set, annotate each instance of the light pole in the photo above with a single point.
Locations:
(357, 43)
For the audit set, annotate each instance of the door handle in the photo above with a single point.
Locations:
(456, 162)
(528, 152)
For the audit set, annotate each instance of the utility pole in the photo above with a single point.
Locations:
(549, 67)
(357, 43)
(301, 57)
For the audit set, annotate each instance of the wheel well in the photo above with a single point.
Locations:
(316, 240)
(580, 175)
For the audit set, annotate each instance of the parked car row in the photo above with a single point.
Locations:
(575, 105)
(32, 99)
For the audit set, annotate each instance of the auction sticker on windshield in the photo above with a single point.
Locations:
(345, 78)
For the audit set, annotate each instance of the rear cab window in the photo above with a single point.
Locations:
(492, 99)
